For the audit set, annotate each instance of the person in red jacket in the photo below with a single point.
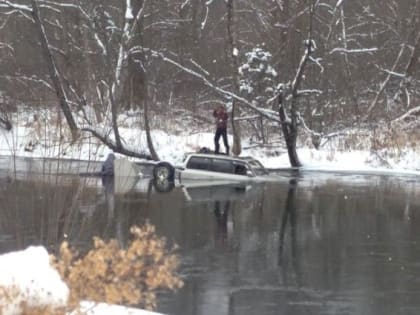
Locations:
(221, 128)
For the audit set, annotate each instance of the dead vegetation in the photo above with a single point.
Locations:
(108, 273)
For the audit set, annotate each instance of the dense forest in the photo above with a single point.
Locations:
(282, 67)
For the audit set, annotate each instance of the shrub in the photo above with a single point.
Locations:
(111, 274)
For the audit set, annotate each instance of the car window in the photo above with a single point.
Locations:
(199, 163)
(222, 166)
(240, 168)
(258, 168)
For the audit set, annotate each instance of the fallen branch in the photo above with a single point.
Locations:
(411, 112)
(114, 147)
(384, 84)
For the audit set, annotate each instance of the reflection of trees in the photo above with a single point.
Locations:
(289, 218)
(43, 208)
(279, 256)
(108, 183)
(249, 222)
(38, 212)
(121, 189)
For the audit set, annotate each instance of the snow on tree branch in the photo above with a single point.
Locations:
(353, 51)
(269, 114)
(411, 113)
(203, 23)
(339, 2)
(185, 3)
(12, 5)
(137, 19)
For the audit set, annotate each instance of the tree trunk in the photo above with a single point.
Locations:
(290, 132)
(150, 145)
(5, 123)
(348, 73)
(414, 58)
(114, 118)
(145, 93)
(290, 126)
(236, 129)
(54, 73)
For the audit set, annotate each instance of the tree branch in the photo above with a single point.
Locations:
(114, 147)
(384, 84)
(269, 114)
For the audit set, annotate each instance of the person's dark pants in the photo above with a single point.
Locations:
(221, 132)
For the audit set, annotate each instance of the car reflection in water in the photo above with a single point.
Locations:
(221, 212)
(221, 198)
(217, 196)
(120, 188)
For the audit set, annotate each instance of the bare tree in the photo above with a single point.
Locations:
(113, 44)
(54, 72)
(97, 59)
(290, 126)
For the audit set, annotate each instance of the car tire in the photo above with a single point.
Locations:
(163, 186)
(164, 170)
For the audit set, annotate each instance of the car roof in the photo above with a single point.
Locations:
(221, 156)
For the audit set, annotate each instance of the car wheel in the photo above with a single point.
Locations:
(162, 171)
(163, 186)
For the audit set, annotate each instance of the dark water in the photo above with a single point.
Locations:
(309, 244)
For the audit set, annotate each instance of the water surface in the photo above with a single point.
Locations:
(310, 244)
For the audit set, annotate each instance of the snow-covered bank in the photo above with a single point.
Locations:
(361, 162)
(27, 276)
(90, 308)
(32, 140)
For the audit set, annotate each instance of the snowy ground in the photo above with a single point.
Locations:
(30, 142)
(40, 285)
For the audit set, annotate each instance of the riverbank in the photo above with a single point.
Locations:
(26, 141)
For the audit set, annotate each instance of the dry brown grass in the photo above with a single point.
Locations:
(395, 137)
(9, 295)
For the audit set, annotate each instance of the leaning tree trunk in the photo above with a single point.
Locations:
(54, 73)
(290, 125)
(145, 91)
(114, 119)
(290, 133)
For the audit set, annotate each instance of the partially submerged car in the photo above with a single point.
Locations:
(199, 166)
(198, 169)
(215, 168)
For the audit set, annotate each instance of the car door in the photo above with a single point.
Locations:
(214, 168)
(222, 168)
(230, 169)
(197, 168)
